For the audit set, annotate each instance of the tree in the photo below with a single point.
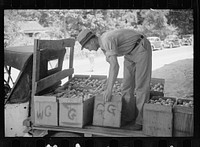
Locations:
(183, 19)
(68, 23)
(154, 23)
(11, 30)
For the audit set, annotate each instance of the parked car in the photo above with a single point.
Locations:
(156, 43)
(171, 41)
(187, 39)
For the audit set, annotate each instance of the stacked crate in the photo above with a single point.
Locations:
(158, 116)
(109, 113)
(46, 108)
(63, 108)
(183, 118)
(157, 87)
(76, 110)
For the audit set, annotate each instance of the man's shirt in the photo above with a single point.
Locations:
(118, 42)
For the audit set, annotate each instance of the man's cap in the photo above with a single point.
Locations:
(84, 36)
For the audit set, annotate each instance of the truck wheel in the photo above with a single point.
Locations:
(171, 45)
(66, 134)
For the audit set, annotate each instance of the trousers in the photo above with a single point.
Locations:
(136, 80)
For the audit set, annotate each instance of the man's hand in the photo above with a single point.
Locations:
(107, 59)
(107, 95)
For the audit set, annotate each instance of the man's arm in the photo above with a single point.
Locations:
(113, 72)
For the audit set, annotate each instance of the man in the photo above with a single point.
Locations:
(137, 53)
(90, 55)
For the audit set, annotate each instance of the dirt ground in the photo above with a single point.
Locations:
(178, 78)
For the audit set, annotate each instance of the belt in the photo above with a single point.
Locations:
(137, 43)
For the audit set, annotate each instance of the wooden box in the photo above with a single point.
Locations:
(158, 119)
(183, 119)
(109, 113)
(155, 92)
(46, 110)
(75, 112)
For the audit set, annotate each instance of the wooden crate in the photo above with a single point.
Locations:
(183, 120)
(75, 112)
(99, 77)
(158, 119)
(157, 80)
(65, 85)
(81, 76)
(109, 113)
(46, 109)
(157, 93)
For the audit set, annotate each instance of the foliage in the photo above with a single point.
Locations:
(68, 23)
(183, 19)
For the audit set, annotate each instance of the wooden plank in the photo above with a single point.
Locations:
(99, 77)
(112, 116)
(56, 44)
(81, 76)
(183, 109)
(45, 99)
(101, 131)
(87, 135)
(106, 131)
(77, 100)
(157, 80)
(35, 77)
(52, 79)
(71, 59)
(159, 108)
(99, 110)
(88, 107)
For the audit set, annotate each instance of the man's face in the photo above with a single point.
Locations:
(90, 45)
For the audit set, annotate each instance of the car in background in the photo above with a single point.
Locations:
(187, 39)
(171, 41)
(156, 43)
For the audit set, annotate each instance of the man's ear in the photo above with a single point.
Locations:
(91, 40)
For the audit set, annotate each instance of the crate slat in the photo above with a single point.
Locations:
(52, 79)
(183, 120)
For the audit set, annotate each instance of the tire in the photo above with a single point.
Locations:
(171, 45)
